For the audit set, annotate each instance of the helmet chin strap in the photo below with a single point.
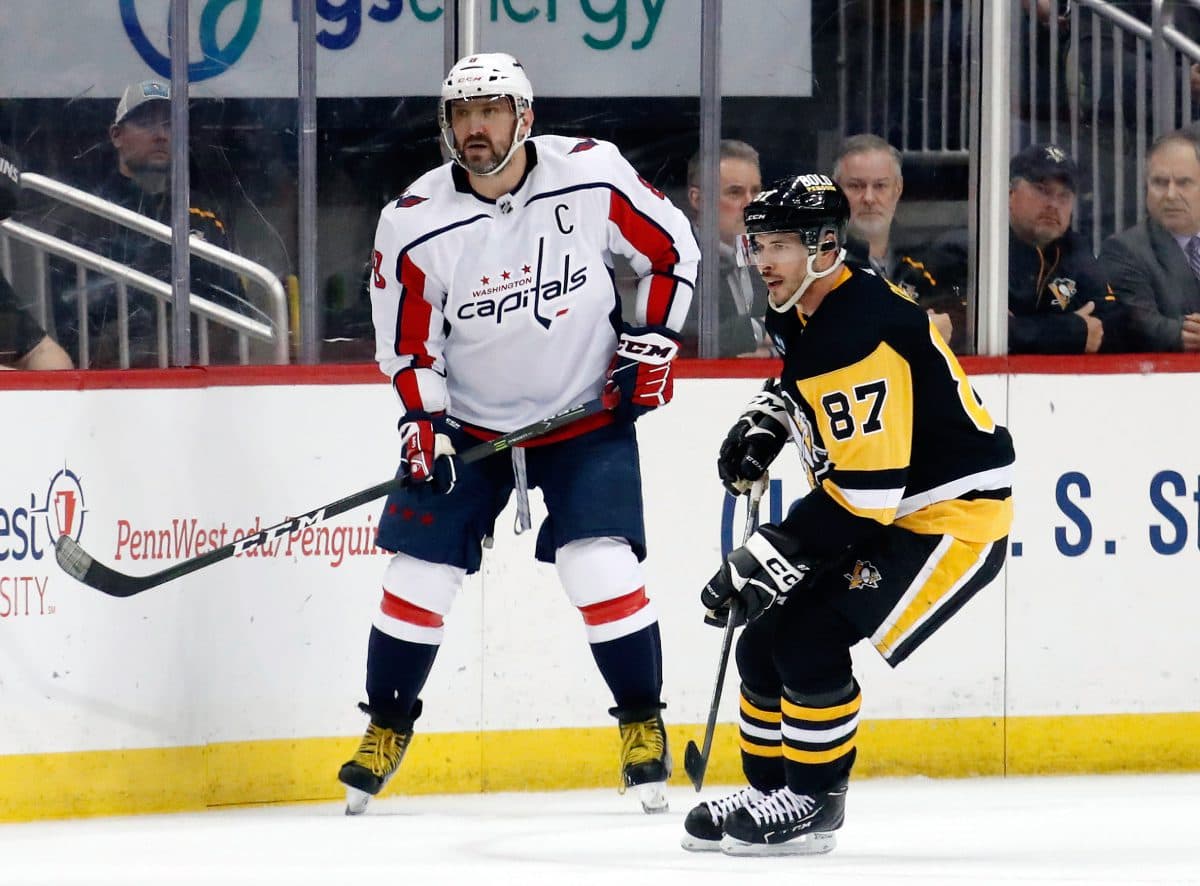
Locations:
(810, 277)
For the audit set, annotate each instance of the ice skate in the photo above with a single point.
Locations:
(703, 825)
(645, 756)
(786, 823)
(376, 760)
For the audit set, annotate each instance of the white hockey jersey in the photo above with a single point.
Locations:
(503, 312)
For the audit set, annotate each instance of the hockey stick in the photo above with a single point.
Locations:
(80, 565)
(695, 760)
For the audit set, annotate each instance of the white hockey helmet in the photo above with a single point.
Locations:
(486, 75)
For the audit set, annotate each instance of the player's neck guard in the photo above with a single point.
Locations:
(809, 278)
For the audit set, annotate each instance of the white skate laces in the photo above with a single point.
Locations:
(782, 806)
(722, 806)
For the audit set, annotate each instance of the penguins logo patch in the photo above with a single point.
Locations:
(1063, 289)
(864, 575)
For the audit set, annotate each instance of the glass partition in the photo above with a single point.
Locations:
(899, 71)
(794, 81)
(95, 141)
(622, 72)
(1100, 80)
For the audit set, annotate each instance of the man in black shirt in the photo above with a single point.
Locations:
(141, 135)
(1059, 301)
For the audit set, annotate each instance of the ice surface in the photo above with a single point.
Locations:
(1080, 830)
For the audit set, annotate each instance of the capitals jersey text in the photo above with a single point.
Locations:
(889, 427)
(504, 312)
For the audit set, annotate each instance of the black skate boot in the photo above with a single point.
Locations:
(702, 826)
(785, 823)
(645, 757)
(377, 758)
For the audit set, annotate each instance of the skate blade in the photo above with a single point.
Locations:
(356, 801)
(653, 795)
(809, 844)
(696, 844)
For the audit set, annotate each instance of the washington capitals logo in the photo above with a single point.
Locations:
(586, 145)
(408, 200)
(864, 575)
(538, 285)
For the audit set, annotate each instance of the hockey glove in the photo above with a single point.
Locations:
(754, 440)
(427, 455)
(640, 371)
(759, 575)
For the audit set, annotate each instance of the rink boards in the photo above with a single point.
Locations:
(237, 684)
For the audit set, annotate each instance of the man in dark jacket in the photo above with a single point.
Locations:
(868, 169)
(741, 298)
(1058, 299)
(141, 136)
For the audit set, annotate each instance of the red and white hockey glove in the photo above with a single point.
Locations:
(640, 371)
(427, 455)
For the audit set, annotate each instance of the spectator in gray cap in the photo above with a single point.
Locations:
(141, 137)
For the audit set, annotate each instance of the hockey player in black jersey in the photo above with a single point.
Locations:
(907, 519)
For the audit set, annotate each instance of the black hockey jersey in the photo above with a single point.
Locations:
(889, 428)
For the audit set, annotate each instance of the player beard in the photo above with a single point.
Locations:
(483, 165)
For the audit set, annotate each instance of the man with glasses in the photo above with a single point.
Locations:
(1059, 301)
(1154, 266)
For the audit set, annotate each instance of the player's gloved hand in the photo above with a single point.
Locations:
(754, 440)
(758, 575)
(427, 455)
(640, 371)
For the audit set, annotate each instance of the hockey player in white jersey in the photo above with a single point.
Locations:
(494, 306)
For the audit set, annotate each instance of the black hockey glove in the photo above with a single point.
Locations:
(640, 371)
(754, 440)
(759, 574)
(427, 455)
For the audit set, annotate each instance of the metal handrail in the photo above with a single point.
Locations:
(1120, 17)
(275, 334)
(95, 262)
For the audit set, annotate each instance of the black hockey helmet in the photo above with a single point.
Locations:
(810, 205)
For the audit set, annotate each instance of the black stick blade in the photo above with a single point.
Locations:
(694, 765)
(78, 563)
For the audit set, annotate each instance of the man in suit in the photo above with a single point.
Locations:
(742, 297)
(1154, 267)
